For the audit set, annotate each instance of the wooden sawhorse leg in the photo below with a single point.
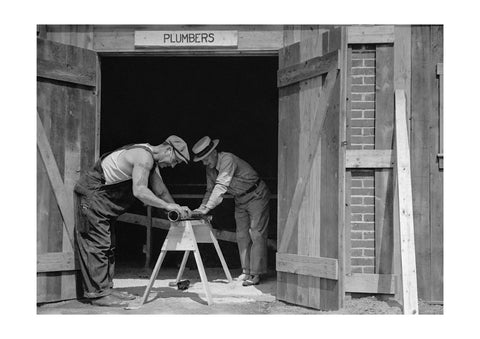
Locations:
(152, 280)
(220, 255)
(182, 266)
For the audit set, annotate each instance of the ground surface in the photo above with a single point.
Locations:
(228, 298)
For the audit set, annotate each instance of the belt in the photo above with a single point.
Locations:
(252, 188)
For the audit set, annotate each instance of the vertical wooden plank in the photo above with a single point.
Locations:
(348, 222)
(405, 206)
(348, 174)
(308, 221)
(342, 147)
(436, 174)
(384, 125)
(403, 64)
(60, 107)
(397, 262)
(422, 105)
(288, 145)
(57, 107)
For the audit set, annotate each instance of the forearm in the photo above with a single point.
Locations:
(206, 197)
(216, 197)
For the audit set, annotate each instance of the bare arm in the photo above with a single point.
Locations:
(159, 188)
(140, 174)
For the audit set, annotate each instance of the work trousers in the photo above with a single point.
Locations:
(252, 214)
(95, 239)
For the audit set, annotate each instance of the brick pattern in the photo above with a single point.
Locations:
(363, 222)
(362, 136)
(362, 99)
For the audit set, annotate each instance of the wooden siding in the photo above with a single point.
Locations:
(427, 178)
(67, 114)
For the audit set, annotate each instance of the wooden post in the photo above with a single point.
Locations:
(405, 206)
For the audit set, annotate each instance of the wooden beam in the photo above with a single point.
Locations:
(370, 159)
(370, 283)
(64, 199)
(343, 64)
(402, 59)
(306, 265)
(307, 69)
(384, 127)
(304, 177)
(370, 34)
(56, 261)
(405, 206)
(163, 224)
(57, 71)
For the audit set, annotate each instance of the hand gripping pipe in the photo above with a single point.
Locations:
(174, 216)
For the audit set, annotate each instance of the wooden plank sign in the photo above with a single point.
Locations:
(182, 39)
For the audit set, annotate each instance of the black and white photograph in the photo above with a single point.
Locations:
(247, 169)
(240, 169)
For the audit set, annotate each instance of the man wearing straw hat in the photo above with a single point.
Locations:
(105, 192)
(227, 173)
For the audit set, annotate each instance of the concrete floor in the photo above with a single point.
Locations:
(228, 298)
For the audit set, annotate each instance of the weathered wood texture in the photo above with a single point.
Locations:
(250, 37)
(405, 206)
(75, 35)
(308, 266)
(384, 126)
(427, 52)
(370, 283)
(370, 34)
(67, 114)
(308, 171)
(369, 159)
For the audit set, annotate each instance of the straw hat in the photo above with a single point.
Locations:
(203, 148)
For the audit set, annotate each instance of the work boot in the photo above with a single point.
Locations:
(109, 301)
(254, 280)
(244, 276)
(123, 295)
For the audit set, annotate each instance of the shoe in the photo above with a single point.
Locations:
(254, 280)
(244, 277)
(123, 295)
(109, 301)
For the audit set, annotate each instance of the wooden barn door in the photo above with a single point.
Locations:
(311, 171)
(66, 134)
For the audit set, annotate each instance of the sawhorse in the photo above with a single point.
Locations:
(185, 236)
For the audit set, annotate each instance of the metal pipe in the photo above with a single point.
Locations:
(173, 216)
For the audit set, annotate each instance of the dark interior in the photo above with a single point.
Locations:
(234, 99)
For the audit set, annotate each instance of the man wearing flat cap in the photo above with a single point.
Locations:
(227, 173)
(107, 191)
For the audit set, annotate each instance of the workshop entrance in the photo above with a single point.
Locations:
(231, 98)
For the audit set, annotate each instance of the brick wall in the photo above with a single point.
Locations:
(361, 136)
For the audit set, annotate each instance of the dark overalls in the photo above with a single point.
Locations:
(97, 207)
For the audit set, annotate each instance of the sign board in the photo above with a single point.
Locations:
(186, 39)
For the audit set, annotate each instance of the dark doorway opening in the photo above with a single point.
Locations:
(234, 99)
